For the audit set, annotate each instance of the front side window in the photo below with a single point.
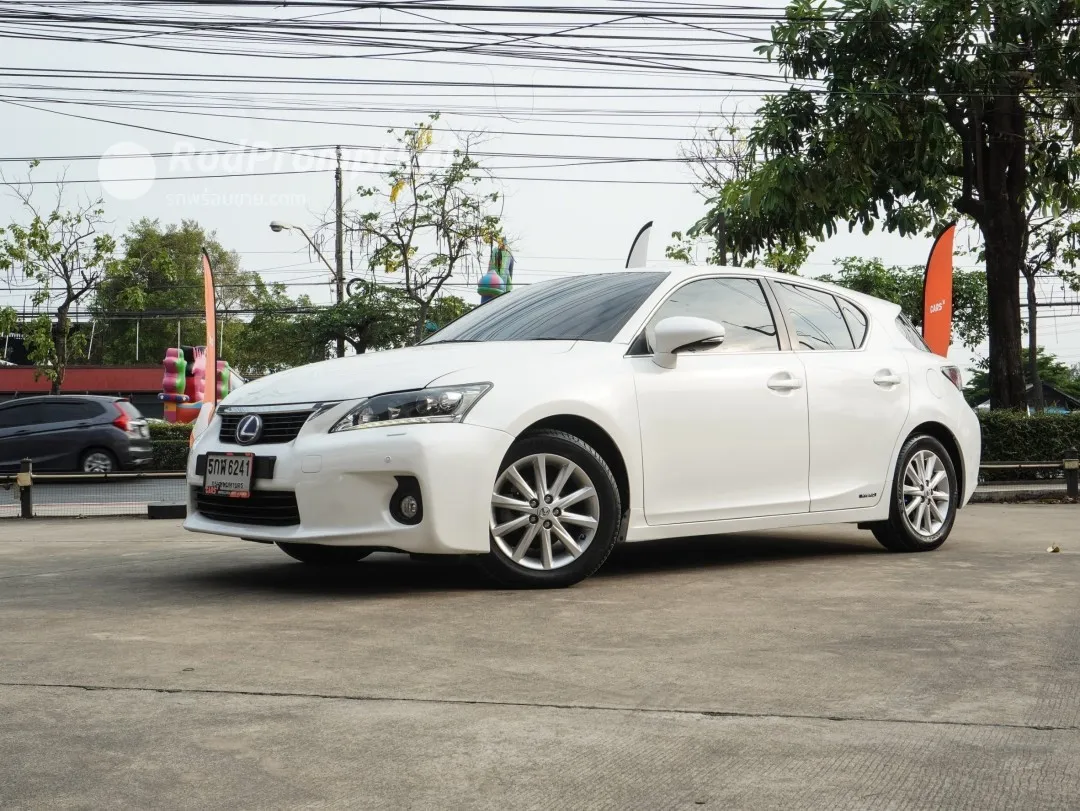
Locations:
(17, 416)
(816, 317)
(738, 304)
(584, 308)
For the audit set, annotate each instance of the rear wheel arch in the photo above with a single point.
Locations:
(947, 439)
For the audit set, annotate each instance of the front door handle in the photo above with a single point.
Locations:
(784, 382)
(887, 378)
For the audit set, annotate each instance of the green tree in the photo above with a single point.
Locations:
(923, 112)
(1051, 370)
(60, 254)
(904, 286)
(160, 278)
(272, 338)
(426, 222)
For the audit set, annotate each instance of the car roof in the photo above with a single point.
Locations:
(687, 272)
(52, 398)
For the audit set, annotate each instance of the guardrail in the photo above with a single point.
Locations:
(78, 495)
(163, 494)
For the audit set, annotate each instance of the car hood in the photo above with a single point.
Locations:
(415, 367)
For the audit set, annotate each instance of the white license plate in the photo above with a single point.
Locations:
(228, 474)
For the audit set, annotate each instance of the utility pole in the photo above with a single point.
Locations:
(721, 238)
(339, 248)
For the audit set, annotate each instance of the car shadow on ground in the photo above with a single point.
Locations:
(384, 574)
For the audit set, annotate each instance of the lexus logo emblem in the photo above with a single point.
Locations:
(249, 429)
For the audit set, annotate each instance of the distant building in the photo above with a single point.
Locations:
(1055, 401)
(139, 384)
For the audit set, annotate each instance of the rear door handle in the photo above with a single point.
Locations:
(784, 382)
(887, 379)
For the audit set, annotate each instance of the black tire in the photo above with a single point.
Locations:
(897, 534)
(324, 555)
(607, 507)
(101, 459)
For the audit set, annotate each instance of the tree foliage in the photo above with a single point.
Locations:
(910, 112)
(1058, 374)
(904, 286)
(160, 275)
(59, 254)
(428, 221)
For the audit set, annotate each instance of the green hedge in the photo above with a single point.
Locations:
(1013, 436)
(170, 446)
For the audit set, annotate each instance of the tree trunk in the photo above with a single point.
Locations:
(421, 322)
(60, 341)
(1004, 239)
(1035, 399)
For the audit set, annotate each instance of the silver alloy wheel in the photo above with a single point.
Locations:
(531, 519)
(926, 504)
(97, 462)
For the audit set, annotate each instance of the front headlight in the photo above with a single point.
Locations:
(443, 404)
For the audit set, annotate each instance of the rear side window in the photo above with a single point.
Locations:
(67, 412)
(856, 322)
(816, 316)
(908, 331)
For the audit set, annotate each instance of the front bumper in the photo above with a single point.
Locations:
(344, 482)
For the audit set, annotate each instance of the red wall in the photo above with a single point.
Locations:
(86, 380)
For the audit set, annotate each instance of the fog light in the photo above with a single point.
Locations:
(406, 502)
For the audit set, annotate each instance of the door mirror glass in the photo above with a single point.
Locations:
(683, 332)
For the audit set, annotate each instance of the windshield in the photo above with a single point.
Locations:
(583, 308)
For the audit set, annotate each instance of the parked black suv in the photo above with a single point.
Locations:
(73, 432)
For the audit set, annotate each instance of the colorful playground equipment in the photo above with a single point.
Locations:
(500, 276)
(184, 385)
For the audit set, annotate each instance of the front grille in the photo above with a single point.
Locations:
(279, 427)
(264, 508)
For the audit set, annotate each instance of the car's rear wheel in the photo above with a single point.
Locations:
(924, 498)
(97, 460)
(555, 512)
(324, 555)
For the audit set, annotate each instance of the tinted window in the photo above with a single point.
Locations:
(912, 334)
(739, 304)
(856, 322)
(585, 308)
(67, 412)
(816, 317)
(14, 416)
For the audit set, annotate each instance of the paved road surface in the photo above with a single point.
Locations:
(145, 667)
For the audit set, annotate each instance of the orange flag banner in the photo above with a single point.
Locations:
(937, 293)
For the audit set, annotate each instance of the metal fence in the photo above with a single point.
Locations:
(79, 495)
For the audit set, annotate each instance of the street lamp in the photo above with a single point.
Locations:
(338, 275)
(277, 227)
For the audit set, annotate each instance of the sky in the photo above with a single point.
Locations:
(580, 117)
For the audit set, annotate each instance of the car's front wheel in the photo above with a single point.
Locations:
(924, 498)
(324, 555)
(555, 512)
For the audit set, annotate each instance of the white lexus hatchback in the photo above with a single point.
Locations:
(541, 429)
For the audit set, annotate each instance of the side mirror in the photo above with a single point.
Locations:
(680, 332)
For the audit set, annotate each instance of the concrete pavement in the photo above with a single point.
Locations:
(143, 666)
